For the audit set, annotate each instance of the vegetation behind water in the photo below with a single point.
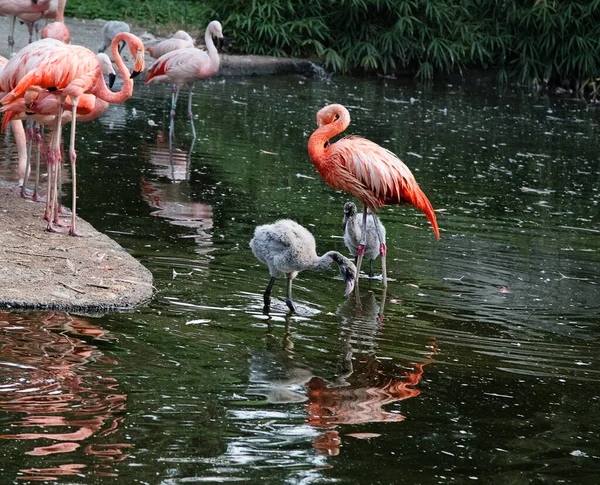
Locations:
(528, 41)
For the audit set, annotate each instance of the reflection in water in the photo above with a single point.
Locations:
(363, 385)
(170, 200)
(59, 391)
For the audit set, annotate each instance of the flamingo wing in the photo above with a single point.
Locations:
(179, 67)
(376, 174)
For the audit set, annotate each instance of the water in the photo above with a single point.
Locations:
(479, 363)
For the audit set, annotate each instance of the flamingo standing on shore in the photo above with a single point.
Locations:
(180, 40)
(287, 248)
(17, 8)
(42, 108)
(183, 67)
(72, 71)
(374, 175)
(58, 29)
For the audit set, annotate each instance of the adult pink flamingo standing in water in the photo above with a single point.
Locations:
(374, 175)
(72, 71)
(183, 67)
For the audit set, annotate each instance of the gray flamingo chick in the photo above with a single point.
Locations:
(287, 248)
(375, 239)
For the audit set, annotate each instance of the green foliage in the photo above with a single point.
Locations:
(542, 41)
(183, 13)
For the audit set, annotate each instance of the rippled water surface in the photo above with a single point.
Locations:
(480, 362)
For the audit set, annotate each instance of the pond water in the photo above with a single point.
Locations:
(479, 362)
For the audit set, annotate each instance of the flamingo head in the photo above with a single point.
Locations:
(349, 212)
(215, 28)
(135, 47)
(107, 68)
(332, 113)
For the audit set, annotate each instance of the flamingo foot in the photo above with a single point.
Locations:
(24, 193)
(74, 233)
(50, 228)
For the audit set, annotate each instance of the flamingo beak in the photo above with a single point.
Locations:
(345, 223)
(111, 79)
(220, 42)
(135, 74)
(349, 286)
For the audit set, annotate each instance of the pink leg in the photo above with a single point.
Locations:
(361, 246)
(73, 158)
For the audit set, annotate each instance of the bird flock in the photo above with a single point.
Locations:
(52, 82)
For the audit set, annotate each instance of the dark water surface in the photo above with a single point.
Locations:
(479, 363)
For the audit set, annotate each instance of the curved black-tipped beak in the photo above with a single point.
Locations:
(345, 222)
(111, 79)
(220, 42)
(135, 74)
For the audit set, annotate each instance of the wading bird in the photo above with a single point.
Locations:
(58, 29)
(287, 248)
(109, 30)
(71, 71)
(183, 67)
(17, 8)
(374, 239)
(179, 40)
(20, 140)
(374, 175)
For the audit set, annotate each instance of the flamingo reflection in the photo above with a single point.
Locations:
(58, 388)
(170, 198)
(358, 392)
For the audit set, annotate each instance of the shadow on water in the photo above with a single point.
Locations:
(478, 362)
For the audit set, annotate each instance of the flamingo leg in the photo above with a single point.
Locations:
(11, 37)
(73, 158)
(190, 114)
(38, 154)
(288, 296)
(267, 295)
(361, 245)
(382, 249)
(54, 159)
(25, 177)
(174, 96)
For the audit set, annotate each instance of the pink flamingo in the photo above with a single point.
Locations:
(20, 140)
(71, 71)
(42, 108)
(58, 29)
(17, 8)
(179, 40)
(374, 175)
(183, 67)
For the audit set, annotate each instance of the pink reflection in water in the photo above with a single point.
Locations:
(59, 395)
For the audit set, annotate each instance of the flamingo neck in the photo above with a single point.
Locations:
(323, 263)
(317, 141)
(102, 91)
(213, 53)
(60, 11)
